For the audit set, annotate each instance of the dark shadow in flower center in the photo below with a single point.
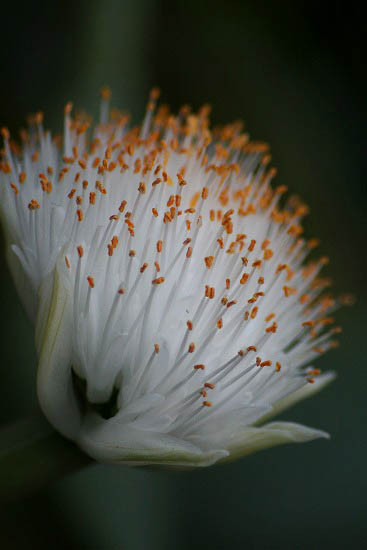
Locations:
(106, 410)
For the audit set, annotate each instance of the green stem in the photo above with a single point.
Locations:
(32, 456)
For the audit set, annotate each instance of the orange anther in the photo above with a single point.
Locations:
(272, 328)
(5, 133)
(158, 281)
(252, 245)
(254, 312)
(95, 162)
(209, 261)
(288, 291)
(269, 317)
(244, 278)
(14, 187)
(33, 205)
(105, 93)
(142, 188)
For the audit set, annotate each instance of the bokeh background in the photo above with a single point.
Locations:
(296, 74)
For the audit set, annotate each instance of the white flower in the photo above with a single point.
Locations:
(174, 310)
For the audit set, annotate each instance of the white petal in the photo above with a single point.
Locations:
(106, 441)
(54, 382)
(276, 433)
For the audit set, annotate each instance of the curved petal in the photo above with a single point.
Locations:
(107, 441)
(45, 297)
(54, 382)
(276, 433)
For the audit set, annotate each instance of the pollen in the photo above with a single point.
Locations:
(244, 278)
(252, 245)
(34, 205)
(272, 328)
(288, 291)
(158, 281)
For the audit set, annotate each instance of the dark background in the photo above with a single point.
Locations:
(296, 73)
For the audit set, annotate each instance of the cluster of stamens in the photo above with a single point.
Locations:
(188, 267)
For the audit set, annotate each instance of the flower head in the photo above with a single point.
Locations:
(175, 308)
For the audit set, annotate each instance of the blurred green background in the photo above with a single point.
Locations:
(295, 72)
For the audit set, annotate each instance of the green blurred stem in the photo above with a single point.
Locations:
(32, 456)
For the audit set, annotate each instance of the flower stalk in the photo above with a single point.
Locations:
(32, 456)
